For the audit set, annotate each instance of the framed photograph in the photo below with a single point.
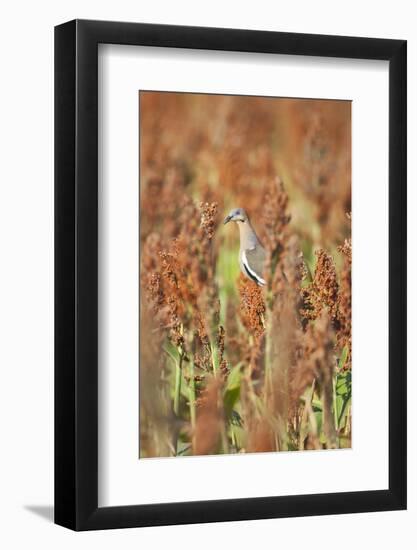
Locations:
(230, 254)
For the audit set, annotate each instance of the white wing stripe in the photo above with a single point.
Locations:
(251, 271)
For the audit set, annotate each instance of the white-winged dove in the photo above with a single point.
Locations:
(252, 253)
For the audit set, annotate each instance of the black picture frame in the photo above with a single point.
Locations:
(76, 272)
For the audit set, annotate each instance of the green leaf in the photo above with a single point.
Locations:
(183, 449)
(230, 399)
(319, 420)
(344, 383)
(339, 405)
(171, 351)
(344, 413)
(185, 387)
(236, 419)
(317, 406)
(343, 397)
(292, 446)
(232, 391)
(343, 357)
(238, 436)
(234, 378)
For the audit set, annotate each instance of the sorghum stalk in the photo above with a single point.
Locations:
(178, 374)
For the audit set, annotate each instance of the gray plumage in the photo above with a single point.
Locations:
(252, 253)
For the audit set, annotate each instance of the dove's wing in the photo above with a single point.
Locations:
(253, 261)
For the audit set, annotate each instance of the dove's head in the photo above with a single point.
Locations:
(236, 215)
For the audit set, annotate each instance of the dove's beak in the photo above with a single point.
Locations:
(227, 219)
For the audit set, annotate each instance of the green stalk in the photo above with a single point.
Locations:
(177, 394)
(232, 435)
(192, 395)
(304, 418)
(328, 418)
(214, 352)
(336, 420)
(225, 439)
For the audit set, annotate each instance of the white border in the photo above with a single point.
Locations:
(123, 479)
